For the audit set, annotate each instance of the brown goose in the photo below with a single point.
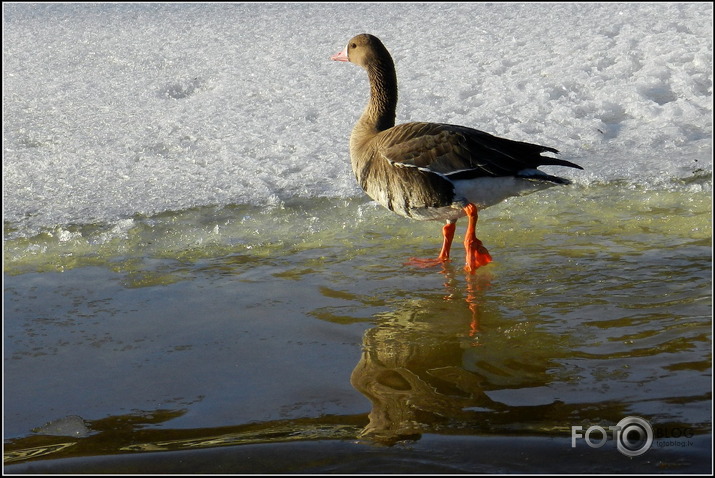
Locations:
(431, 171)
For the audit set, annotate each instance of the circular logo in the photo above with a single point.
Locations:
(634, 436)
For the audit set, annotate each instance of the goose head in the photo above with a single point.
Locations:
(363, 50)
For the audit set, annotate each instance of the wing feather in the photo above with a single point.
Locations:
(448, 149)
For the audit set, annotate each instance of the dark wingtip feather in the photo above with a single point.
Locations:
(549, 161)
(555, 161)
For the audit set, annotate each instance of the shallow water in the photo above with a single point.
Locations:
(297, 334)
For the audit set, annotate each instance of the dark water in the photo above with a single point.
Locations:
(294, 340)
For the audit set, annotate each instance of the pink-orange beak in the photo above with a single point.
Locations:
(342, 56)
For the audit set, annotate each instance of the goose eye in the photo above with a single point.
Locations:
(353, 45)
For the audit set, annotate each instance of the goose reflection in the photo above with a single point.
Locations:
(423, 371)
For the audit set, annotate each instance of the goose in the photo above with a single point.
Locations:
(435, 171)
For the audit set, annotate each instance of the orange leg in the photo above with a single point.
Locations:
(477, 254)
(448, 235)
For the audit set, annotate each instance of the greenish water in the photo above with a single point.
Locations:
(296, 333)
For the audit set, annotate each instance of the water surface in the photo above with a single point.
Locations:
(298, 331)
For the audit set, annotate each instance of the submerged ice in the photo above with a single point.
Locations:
(115, 110)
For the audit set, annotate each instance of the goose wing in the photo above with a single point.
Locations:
(461, 151)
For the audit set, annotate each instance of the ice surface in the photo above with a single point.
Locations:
(113, 110)
(71, 426)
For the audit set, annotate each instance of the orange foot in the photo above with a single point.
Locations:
(477, 254)
(425, 263)
(448, 235)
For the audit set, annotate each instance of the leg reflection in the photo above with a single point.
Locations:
(476, 284)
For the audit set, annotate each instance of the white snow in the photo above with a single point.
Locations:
(112, 110)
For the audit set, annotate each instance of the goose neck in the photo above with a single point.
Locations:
(381, 109)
